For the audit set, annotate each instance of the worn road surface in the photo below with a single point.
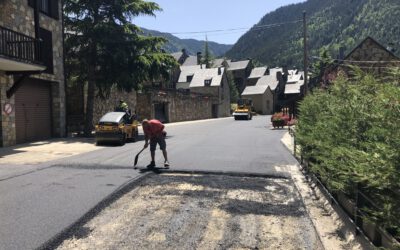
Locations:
(171, 211)
(40, 202)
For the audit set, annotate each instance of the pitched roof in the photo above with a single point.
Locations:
(273, 71)
(177, 55)
(258, 72)
(269, 80)
(294, 78)
(190, 61)
(238, 65)
(218, 62)
(187, 71)
(294, 88)
(207, 74)
(255, 90)
(373, 41)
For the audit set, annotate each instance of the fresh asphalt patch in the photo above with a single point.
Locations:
(173, 210)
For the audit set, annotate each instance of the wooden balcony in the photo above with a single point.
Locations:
(19, 52)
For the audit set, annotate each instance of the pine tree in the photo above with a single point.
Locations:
(208, 61)
(104, 49)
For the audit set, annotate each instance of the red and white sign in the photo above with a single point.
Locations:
(8, 108)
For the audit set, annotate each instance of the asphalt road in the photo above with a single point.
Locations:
(38, 205)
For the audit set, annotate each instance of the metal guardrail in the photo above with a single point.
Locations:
(19, 46)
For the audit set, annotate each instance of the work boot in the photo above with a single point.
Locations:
(151, 165)
(166, 164)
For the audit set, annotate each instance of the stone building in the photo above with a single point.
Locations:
(370, 56)
(213, 82)
(240, 71)
(32, 89)
(256, 74)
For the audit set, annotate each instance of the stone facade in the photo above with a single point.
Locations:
(18, 16)
(370, 56)
(7, 132)
(178, 106)
(102, 106)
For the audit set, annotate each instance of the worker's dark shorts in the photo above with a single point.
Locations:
(160, 141)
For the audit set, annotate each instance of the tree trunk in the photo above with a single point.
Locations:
(89, 105)
(90, 94)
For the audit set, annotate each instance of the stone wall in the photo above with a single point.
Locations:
(180, 106)
(102, 106)
(18, 16)
(371, 50)
(7, 131)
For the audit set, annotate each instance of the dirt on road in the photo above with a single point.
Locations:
(189, 211)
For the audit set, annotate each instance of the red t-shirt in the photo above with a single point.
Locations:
(155, 129)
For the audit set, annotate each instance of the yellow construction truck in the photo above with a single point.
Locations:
(116, 127)
(243, 110)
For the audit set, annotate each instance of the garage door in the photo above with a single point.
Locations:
(33, 111)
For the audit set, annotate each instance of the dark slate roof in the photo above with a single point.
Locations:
(190, 61)
(177, 55)
(269, 80)
(255, 90)
(258, 72)
(203, 74)
(187, 71)
(239, 65)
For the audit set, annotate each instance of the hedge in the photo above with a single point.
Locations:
(350, 132)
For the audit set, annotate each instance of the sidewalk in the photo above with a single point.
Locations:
(43, 151)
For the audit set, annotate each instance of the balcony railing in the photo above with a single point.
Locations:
(19, 46)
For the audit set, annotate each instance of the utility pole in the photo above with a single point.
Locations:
(305, 54)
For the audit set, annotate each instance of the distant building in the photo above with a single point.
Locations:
(256, 74)
(267, 93)
(370, 56)
(294, 90)
(32, 92)
(213, 82)
(240, 71)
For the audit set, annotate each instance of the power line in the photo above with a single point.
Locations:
(353, 61)
(255, 27)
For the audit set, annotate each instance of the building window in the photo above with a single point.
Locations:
(207, 82)
(47, 7)
(46, 49)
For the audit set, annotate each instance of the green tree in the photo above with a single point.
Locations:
(234, 93)
(349, 134)
(319, 67)
(208, 59)
(104, 49)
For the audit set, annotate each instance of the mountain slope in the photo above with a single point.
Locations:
(192, 46)
(331, 24)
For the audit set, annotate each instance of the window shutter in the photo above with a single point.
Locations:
(54, 9)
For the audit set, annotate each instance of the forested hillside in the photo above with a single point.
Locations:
(331, 24)
(192, 46)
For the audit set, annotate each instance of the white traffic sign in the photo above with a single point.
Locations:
(8, 108)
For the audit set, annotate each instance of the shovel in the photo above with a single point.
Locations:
(137, 158)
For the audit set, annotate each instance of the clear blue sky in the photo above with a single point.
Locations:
(205, 15)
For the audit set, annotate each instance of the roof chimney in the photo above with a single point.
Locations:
(219, 71)
(198, 58)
